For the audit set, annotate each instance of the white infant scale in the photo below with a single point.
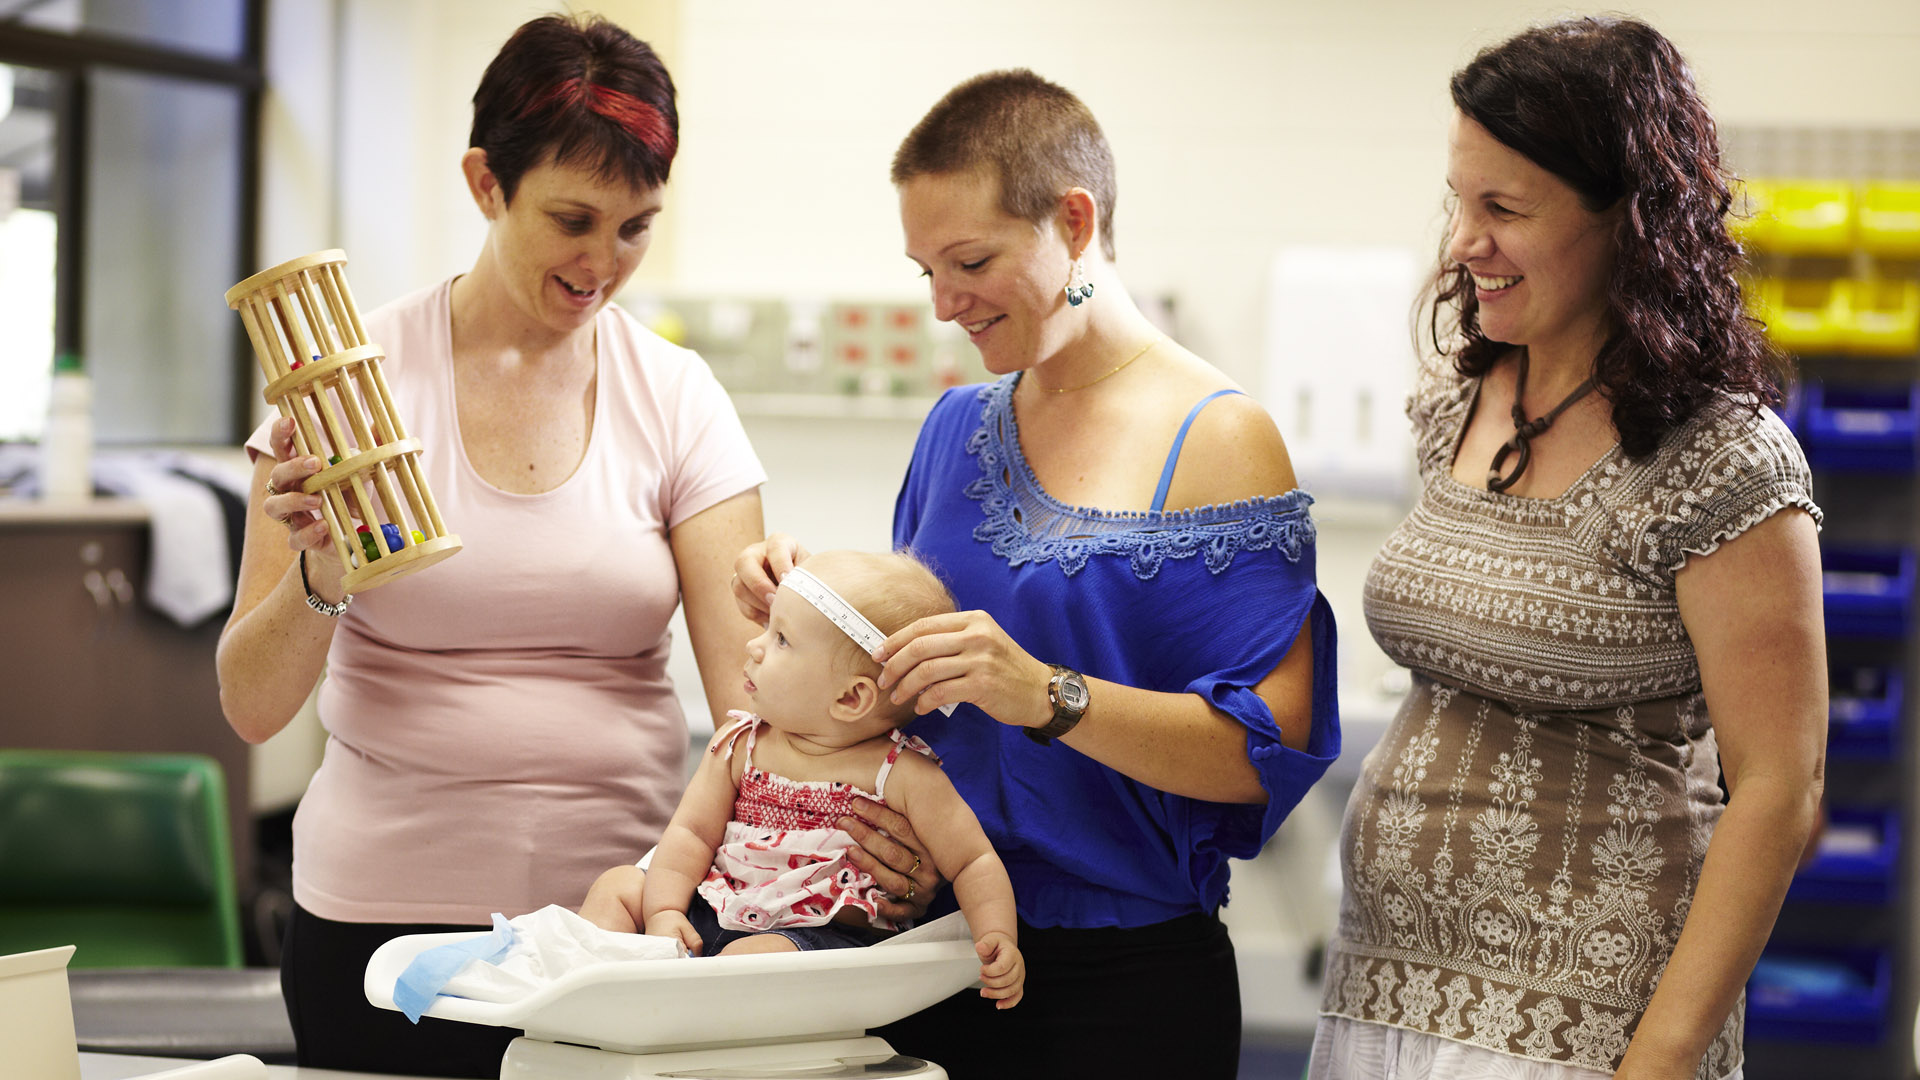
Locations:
(750, 1017)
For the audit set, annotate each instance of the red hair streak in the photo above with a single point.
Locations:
(635, 117)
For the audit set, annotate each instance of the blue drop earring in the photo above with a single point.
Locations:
(1079, 289)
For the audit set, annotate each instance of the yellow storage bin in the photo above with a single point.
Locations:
(1750, 219)
(1811, 218)
(1889, 216)
(1807, 315)
(1886, 318)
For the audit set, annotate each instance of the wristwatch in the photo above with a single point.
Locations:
(1067, 693)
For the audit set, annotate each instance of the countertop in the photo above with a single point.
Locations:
(128, 1067)
(24, 510)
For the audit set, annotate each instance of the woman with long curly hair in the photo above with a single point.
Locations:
(1608, 593)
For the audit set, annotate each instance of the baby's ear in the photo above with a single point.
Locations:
(858, 700)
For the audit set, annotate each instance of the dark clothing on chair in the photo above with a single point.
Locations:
(327, 996)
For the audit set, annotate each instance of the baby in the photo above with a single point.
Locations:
(752, 860)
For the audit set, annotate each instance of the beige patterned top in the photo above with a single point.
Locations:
(1523, 844)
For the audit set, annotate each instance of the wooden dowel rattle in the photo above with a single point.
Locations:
(324, 375)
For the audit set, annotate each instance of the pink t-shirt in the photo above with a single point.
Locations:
(501, 725)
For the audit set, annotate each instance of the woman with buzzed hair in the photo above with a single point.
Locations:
(1142, 663)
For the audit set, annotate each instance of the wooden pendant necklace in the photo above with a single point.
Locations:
(1525, 430)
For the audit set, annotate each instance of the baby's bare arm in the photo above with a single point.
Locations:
(958, 845)
(686, 849)
(964, 855)
(985, 894)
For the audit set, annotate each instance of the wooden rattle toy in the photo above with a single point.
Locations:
(322, 372)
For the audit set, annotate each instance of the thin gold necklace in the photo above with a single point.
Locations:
(1144, 349)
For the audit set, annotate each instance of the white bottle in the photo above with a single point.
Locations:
(66, 446)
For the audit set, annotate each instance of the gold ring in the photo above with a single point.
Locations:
(910, 887)
(271, 490)
(916, 865)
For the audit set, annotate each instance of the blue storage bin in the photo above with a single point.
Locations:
(1868, 593)
(1863, 711)
(1870, 428)
(1819, 995)
(1857, 861)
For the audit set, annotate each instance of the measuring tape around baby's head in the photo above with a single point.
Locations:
(839, 613)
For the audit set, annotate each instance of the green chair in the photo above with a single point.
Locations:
(125, 855)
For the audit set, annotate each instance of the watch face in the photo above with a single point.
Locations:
(1073, 693)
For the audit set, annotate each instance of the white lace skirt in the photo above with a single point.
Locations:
(1345, 1049)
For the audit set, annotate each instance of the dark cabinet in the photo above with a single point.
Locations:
(85, 664)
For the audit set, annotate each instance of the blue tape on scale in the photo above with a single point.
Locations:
(417, 986)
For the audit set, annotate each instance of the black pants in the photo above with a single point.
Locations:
(1161, 1000)
(323, 966)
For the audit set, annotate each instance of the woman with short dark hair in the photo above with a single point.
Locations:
(1608, 592)
(502, 727)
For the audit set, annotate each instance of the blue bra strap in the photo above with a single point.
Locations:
(1173, 455)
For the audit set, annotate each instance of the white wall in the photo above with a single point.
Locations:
(1238, 126)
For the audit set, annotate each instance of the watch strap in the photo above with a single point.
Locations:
(1064, 718)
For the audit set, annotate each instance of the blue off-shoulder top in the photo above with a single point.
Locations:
(1203, 601)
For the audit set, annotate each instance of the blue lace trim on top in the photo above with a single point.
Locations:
(1025, 524)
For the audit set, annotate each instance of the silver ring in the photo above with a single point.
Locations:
(271, 490)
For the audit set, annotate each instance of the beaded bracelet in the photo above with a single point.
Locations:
(331, 611)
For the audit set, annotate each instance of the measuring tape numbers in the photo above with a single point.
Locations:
(840, 613)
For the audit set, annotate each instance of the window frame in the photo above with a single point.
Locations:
(74, 58)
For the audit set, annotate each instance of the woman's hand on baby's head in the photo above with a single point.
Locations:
(674, 924)
(1003, 971)
(757, 571)
(964, 656)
